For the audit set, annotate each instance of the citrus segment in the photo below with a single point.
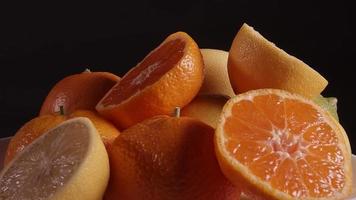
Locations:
(170, 76)
(298, 151)
(68, 162)
(254, 63)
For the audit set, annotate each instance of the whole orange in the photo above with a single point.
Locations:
(40, 125)
(167, 158)
(78, 91)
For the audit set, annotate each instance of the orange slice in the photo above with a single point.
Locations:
(278, 145)
(170, 76)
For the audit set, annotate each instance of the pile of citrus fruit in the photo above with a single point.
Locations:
(185, 123)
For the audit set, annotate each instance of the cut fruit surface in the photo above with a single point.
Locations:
(68, 162)
(255, 63)
(278, 145)
(41, 124)
(170, 76)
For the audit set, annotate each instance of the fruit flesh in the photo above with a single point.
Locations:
(155, 65)
(38, 174)
(286, 143)
(40, 125)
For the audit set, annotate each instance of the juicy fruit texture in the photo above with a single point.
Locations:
(40, 125)
(279, 145)
(170, 76)
(68, 162)
(206, 108)
(256, 63)
(167, 158)
(216, 80)
(78, 91)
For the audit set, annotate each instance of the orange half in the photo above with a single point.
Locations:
(278, 145)
(170, 76)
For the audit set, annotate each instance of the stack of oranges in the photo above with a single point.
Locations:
(248, 125)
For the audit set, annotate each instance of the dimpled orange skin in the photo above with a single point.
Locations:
(167, 158)
(78, 91)
(40, 125)
(175, 88)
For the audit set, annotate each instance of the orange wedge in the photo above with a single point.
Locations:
(170, 76)
(255, 63)
(278, 145)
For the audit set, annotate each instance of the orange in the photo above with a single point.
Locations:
(206, 108)
(168, 77)
(167, 158)
(39, 125)
(277, 145)
(78, 91)
(254, 63)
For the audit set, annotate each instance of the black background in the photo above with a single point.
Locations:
(41, 44)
